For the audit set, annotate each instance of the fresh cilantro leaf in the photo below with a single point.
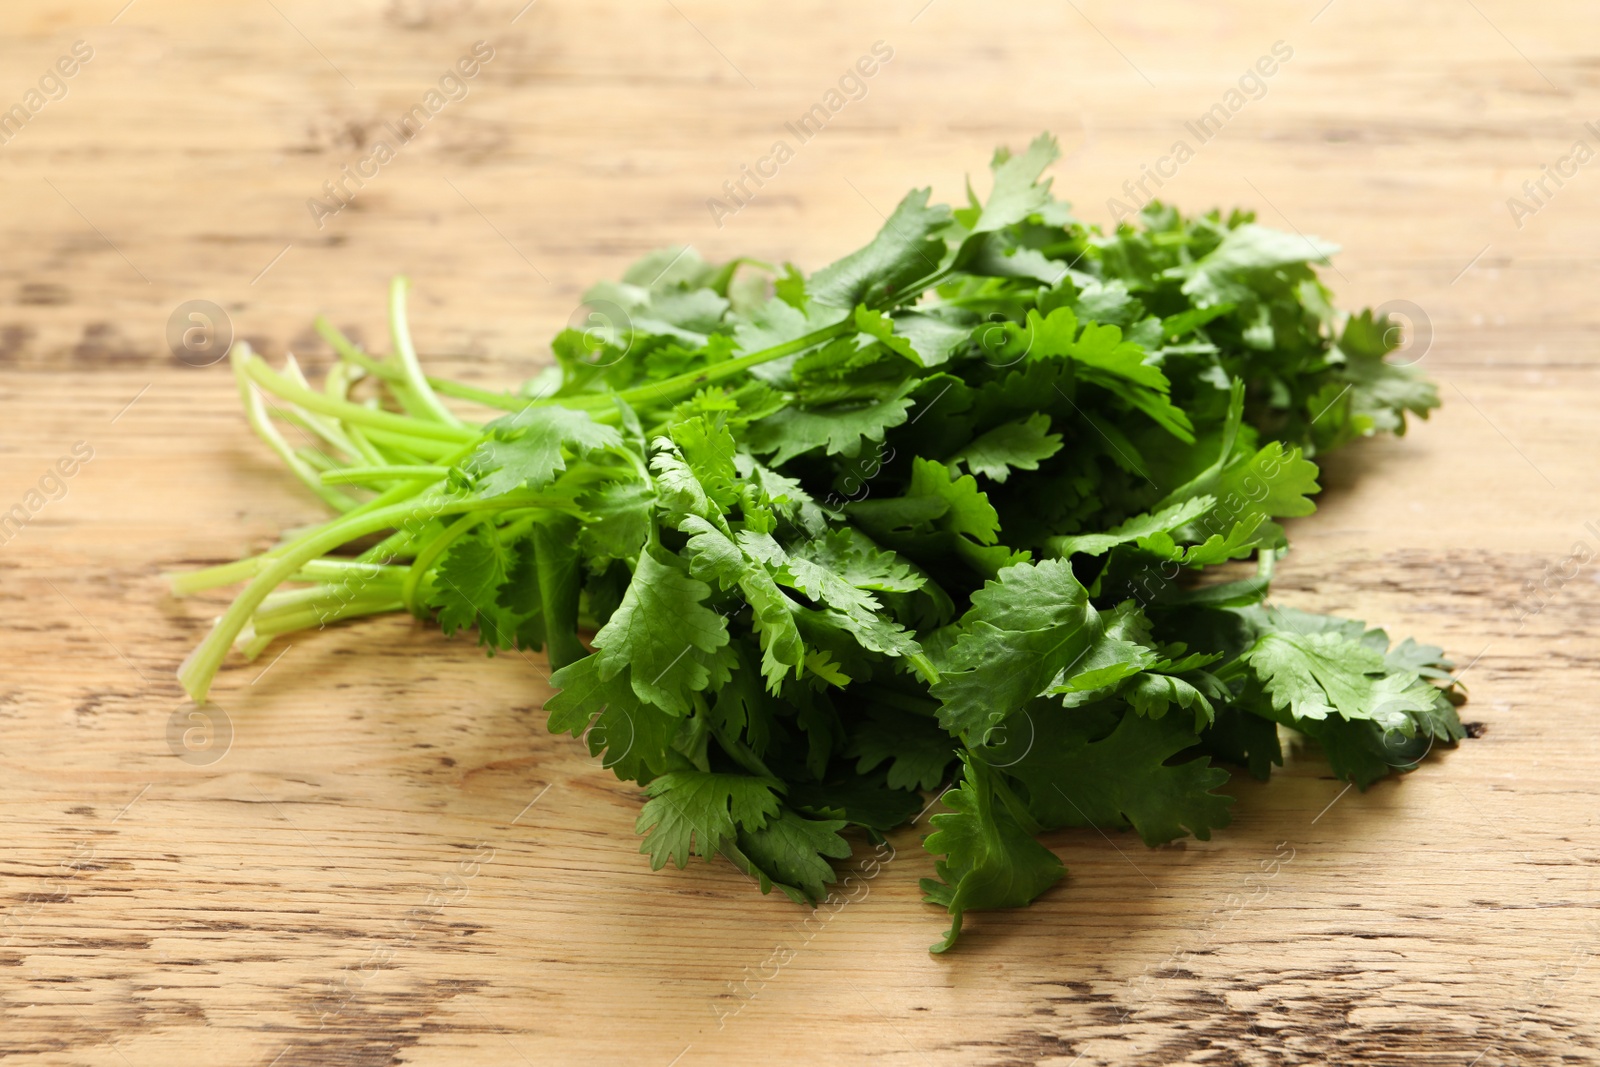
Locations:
(1109, 303)
(864, 800)
(665, 635)
(695, 812)
(851, 556)
(1313, 676)
(527, 449)
(1017, 191)
(941, 514)
(632, 738)
(1376, 395)
(1152, 693)
(1119, 650)
(618, 521)
(916, 749)
(1218, 276)
(784, 495)
(907, 248)
(467, 586)
(838, 429)
(1100, 355)
(1135, 529)
(933, 339)
(990, 860)
(1122, 779)
(678, 487)
(708, 450)
(792, 853)
(1247, 494)
(1018, 445)
(1382, 394)
(716, 557)
(1025, 628)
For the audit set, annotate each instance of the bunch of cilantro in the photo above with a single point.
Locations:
(973, 508)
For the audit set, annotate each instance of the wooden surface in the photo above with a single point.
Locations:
(392, 862)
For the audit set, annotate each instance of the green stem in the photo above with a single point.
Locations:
(330, 430)
(682, 385)
(255, 413)
(395, 547)
(193, 582)
(319, 461)
(269, 379)
(518, 404)
(398, 543)
(305, 616)
(374, 474)
(924, 667)
(502, 401)
(416, 381)
(241, 569)
(339, 570)
(337, 386)
(925, 283)
(203, 663)
(430, 553)
(347, 351)
(411, 451)
(284, 601)
(369, 451)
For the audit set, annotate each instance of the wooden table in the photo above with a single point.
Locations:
(304, 897)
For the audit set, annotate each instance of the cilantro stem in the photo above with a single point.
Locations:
(923, 284)
(203, 663)
(598, 405)
(338, 388)
(190, 582)
(502, 400)
(410, 451)
(319, 461)
(376, 473)
(334, 609)
(330, 430)
(925, 668)
(285, 601)
(403, 425)
(1265, 564)
(347, 351)
(318, 570)
(681, 385)
(428, 554)
(396, 546)
(255, 413)
(416, 383)
(338, 570)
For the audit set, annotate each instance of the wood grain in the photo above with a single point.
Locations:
(392, 862)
